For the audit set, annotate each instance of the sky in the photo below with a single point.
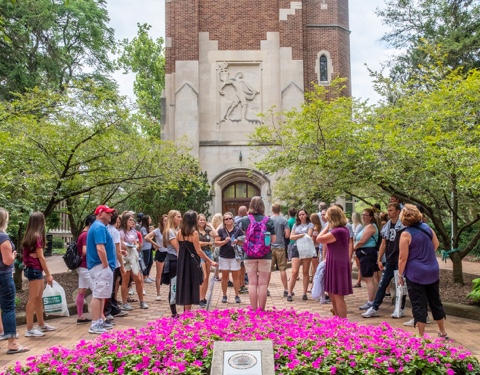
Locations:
(366, 31)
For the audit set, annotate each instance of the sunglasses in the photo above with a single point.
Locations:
(227, 218)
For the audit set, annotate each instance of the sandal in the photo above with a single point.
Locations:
(21, 349)
(443, 335)
(357, 285)
(130, 300)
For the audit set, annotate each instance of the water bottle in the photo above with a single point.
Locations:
(267, 238)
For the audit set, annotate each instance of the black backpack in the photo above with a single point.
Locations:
(72, 258)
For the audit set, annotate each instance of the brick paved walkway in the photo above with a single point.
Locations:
(463, 332)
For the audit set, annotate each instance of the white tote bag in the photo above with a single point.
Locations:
(54, 300)
(306, 248)
(400, 292)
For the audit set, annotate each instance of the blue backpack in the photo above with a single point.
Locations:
(254, 245)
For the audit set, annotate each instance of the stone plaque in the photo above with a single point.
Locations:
(243, 358)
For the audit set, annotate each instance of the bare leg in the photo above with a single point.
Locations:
(293, 277)
(283, 277)
(339, 305)
(224, 282)
(359, 277)
(441, 327)
(253, 289)
(371, 287)
(158, 276)
(236, 282)
(306, 273)
(34, 299)
(262, 285)
(421, 328)
(204, 286)
(139, 285)
(124, 289)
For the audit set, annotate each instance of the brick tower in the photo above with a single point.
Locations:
(227, 61)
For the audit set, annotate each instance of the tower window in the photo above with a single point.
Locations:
(323, 68)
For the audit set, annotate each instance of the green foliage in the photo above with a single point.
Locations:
(145, 57)
(49, 44)
(448, 26)
(421, 147)
(82, 148)
(189, 191)
(57, 243)
(475, 293)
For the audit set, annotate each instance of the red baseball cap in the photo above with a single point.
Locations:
(103, 208)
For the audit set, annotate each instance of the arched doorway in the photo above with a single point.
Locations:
(238, 194)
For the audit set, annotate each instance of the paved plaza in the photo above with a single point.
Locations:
(463, 332)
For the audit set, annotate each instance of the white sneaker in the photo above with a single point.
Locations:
(97, 329)
(34, 333)
(411, 322)
(148, 280)
(158, 298)
(106, 326)
(109, 317)
(371, 312)
(46, 328)
(366, 306)
(126, 307)
(143, 305)
(131, 292)
(398, 316)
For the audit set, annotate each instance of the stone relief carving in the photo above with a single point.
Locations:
(241, 97)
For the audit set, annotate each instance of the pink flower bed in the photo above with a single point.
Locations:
(304, 343)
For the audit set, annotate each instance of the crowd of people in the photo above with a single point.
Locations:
(119, 250)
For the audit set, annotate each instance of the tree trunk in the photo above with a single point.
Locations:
(457, 268)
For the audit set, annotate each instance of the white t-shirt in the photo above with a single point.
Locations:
(116, 239)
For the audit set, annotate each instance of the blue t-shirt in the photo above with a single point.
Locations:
(99, 234)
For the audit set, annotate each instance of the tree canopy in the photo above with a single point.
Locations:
(145, 57)
(423, 148)
(449, 26)
(49, 44)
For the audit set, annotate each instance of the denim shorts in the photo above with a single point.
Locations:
(33, 274)
(209, 254)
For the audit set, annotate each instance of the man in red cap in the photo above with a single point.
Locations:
(101, 261)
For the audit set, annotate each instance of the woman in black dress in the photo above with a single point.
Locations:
(189, 270)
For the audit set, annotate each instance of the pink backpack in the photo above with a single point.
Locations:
(254, 245)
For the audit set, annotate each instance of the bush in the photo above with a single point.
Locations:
(304, 343)
(58, 243)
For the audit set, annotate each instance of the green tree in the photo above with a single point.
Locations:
(423, 148)
(86, 151)
(190, 191)
(145, 57)
(49, 44)
(449, 25)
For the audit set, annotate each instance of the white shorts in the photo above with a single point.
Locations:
(226, 264)
(84, 279)
(102, 281)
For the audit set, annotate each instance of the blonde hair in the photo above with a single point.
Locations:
(170, 225)
(356, 218)
(410, 215)
(336, 217)
(3, 219)
(217, 220)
